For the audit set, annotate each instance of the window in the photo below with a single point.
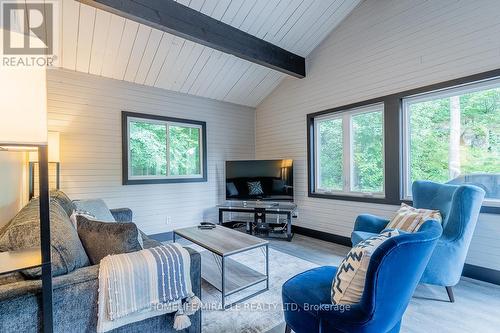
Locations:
(162, 150)
(349, 152)
(453, 135)
(373, 151)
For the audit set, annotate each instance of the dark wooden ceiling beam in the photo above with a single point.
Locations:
(182, 21)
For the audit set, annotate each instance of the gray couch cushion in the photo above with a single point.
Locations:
(96, 207)
(102, 238)
(63, 200)
(75, 304)
(24, 232)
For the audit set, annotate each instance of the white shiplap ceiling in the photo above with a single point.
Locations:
(101, 43)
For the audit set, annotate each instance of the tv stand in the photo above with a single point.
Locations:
(261, 224)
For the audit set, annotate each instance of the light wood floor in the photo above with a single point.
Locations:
(476, 308)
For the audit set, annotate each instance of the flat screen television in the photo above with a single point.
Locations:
(266, 180)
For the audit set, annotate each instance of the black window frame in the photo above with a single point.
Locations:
(393, 136)
(125, 150)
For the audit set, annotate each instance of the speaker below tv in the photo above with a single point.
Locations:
(259, 180)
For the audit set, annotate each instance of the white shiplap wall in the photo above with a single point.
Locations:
(86, 110)
(384, 46)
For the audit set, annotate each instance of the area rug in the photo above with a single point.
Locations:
(257, 314)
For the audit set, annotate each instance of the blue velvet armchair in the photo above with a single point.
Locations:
(459, 207)
(393, 273)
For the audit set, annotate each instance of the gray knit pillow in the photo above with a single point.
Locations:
(63, 200)
(103, 238)
(24, 232)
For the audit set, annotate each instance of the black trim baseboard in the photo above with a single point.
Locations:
(471, 271)
(481, 273)
(163, 237)
(346, 241)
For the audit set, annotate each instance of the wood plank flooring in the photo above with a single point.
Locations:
(476, 308)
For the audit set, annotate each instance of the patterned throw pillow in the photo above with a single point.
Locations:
(349, 282)
(411, 219)
(255, 188)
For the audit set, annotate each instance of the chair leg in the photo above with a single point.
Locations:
(288, 329)
(449, 290)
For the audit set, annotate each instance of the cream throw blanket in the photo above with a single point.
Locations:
(144, 284)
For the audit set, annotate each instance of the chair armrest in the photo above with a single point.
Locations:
(122, 214)
(370, 223)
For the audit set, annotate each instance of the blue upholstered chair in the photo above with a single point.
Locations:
(393, 273)
(459, 206)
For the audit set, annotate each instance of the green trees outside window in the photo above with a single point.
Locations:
(184, 147)
(164, 149)
(350, 151)
(330, 153)
(367, 132)
(148, 149)
(455, 136)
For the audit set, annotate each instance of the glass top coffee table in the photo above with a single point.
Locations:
(224, 273)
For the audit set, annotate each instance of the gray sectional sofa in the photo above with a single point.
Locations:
(76, 284)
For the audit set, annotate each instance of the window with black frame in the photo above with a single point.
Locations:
(373, 151)
(349, 152)
(453, 136)
(161, 149)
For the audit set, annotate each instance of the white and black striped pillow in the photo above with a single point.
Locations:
(255, 188)
(349, 282)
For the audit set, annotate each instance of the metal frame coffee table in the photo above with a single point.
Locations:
(224, 273)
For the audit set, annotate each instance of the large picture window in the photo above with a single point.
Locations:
(453, 136)
(373, 151)
(349, 152)
(162, 149)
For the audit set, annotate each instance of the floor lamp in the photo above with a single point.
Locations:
(54, 158)
(23, 93)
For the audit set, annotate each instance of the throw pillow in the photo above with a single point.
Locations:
(24, 232)
(255, 188)
(96, 207)
(349, 282)
(63, 200)
(410, 219)
(279, 186)
(231, 189)
(75, 213)
(102, 238)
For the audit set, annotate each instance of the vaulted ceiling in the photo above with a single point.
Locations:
(98, 42)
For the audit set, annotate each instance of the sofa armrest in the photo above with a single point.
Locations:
(122, 214)
(195, 271)
(370, 223)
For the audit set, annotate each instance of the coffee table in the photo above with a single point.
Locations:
(224, 273)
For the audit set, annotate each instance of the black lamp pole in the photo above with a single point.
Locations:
(43, 171)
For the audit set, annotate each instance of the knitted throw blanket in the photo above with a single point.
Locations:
(139, 285)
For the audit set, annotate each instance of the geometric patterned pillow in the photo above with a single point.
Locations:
(410, 219)
(349, 282)
(255, 188)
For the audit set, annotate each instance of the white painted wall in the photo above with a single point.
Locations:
(86, 110)
(11, 185)
(384, 46)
